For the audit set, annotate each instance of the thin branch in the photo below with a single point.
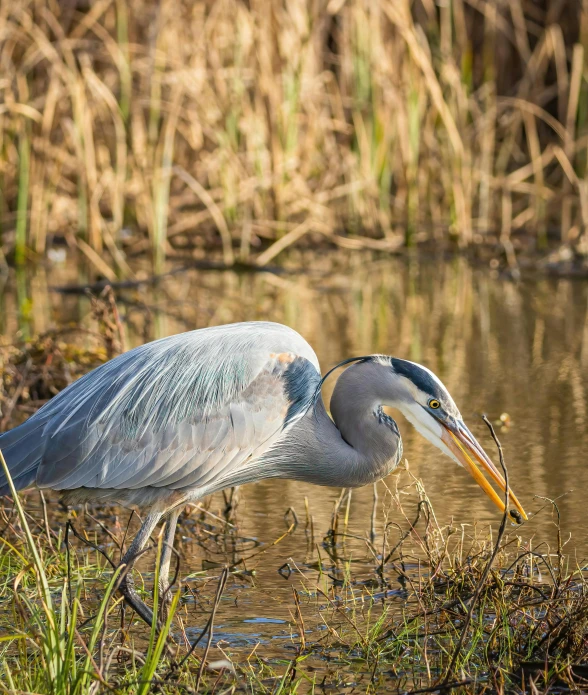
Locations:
(207, 628)
(482, 580)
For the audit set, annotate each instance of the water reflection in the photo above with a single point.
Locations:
(520, 349)
(499, 347)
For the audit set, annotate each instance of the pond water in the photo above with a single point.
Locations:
(519, 349)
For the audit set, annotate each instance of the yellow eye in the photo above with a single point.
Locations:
(433, 403)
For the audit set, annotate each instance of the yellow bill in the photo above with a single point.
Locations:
(470, 454)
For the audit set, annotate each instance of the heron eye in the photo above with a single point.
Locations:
(434, 403)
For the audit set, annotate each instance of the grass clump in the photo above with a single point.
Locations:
(520, 627)
(437, 608)
(238, 130)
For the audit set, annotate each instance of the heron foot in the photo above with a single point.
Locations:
(132, 598)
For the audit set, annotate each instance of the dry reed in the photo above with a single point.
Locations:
(236, 128)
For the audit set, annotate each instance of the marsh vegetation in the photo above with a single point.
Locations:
(140, 138)
(324, 592)
(408, 606)
(237, 130)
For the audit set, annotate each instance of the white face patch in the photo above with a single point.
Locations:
(423, 397)
(401, 392)
(421, 420)
(413, 391)
(426, 425)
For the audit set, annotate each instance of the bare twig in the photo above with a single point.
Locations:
(207, 629)
(481, 582)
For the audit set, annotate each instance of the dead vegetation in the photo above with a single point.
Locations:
(428, 609)
(237, 130)
(33, 371)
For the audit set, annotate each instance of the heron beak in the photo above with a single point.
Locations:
(463, 445)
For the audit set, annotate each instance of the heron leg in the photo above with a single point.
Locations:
(127, 584)
(165, 560)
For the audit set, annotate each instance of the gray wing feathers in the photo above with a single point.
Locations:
(22, 448)
(179, 412)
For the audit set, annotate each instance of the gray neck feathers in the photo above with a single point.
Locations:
(360, 445)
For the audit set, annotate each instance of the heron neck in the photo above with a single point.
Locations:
(317, 451)
(357, 410)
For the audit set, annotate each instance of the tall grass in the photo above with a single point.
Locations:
(180, 128)
(48, 625)
(440, 607)
(58, 653)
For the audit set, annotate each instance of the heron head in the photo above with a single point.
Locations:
(428, 405)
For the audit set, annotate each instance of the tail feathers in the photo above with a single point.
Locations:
(20, 482)
(22, 448)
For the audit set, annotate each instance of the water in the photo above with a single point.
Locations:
(500, 348)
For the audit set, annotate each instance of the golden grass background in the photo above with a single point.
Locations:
(237, 129)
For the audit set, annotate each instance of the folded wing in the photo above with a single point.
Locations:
(180, 413)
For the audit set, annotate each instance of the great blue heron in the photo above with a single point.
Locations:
(177, 419)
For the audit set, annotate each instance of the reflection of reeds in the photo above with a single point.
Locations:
(197, 126)
(496, 345)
